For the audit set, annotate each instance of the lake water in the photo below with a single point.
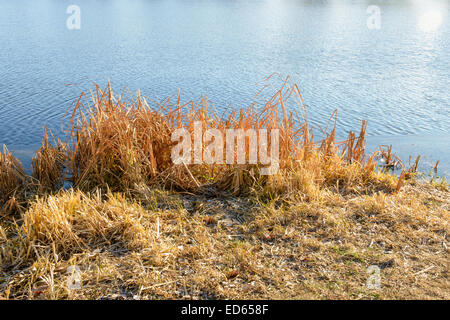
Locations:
(397, 77)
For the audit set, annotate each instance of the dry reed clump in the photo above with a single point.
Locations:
(118, 144)
(47, 166)
(72, 222)
(12, 182)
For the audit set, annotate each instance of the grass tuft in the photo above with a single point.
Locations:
(12, 183)
(73, 222)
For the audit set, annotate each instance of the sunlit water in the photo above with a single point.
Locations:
(397, 77)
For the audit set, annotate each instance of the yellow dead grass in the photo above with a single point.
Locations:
(134, 222)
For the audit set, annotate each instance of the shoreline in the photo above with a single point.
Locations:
(404, 146)
(137, 226)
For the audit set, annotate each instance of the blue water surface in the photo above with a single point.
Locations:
(397, 77)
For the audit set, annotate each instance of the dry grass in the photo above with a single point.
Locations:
(116, 143)
(47, 166)
(12, 181)
(75, 222)
(119, 144)
(138, 226)
(174, 246)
